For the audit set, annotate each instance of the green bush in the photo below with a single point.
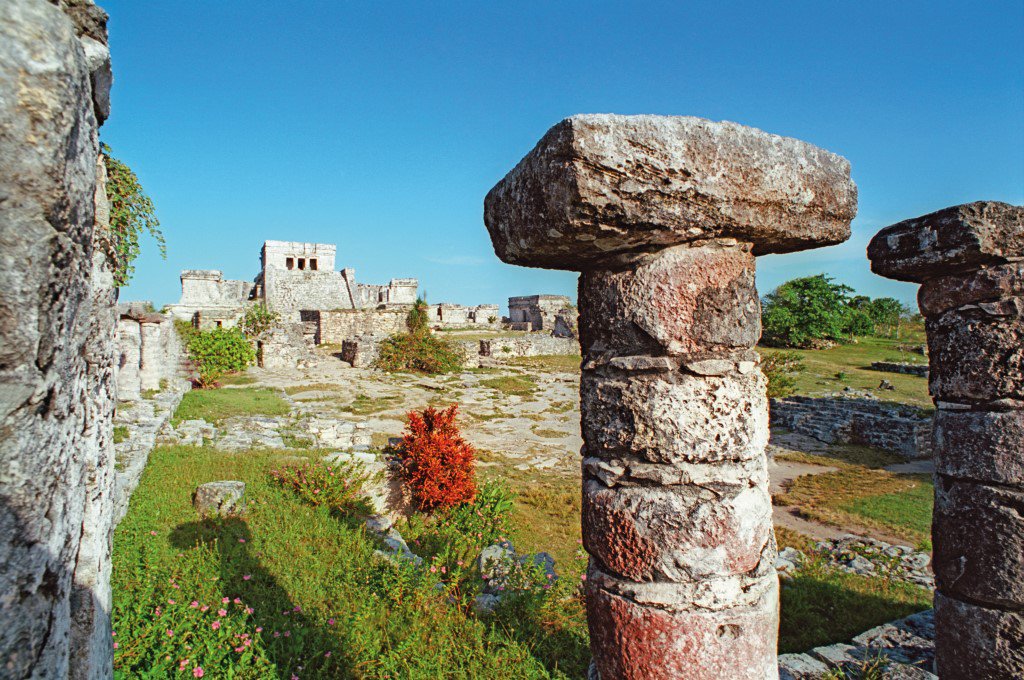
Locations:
(258, 320)
(131, 212)
(418, 350)
(217, 352)
(781, 369)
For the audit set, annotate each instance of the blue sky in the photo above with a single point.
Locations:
(381, 126)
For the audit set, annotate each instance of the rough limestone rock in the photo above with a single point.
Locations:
(969, 260)
(56, 345)
(600, 186)
(220, 499)
(663, 215)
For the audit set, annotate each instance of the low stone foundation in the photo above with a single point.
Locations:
(893, 427)
(525, 346)
(898, 367)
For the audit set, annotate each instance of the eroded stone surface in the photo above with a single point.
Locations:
(220, 499)
(600, 187)
(973, 642)
(978, 552)
(985, 446)
(991, 284)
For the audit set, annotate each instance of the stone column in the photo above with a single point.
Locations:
(152, 353)
(970, 262)
(663, 216)
(129, 360)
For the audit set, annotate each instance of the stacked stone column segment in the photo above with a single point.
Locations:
(970, 262)
(663, 217)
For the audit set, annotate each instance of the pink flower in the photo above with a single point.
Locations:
(152, 533)
(170, 633)
(327, 655)
(259, 629)
(240, 649)
(171, 602)
(583, 577)
(204, 607)
(247, 577)
(182, 664)
(197, 672)
(248, 610)
(433, 569)
(237, 601)
(215, 625)
(330, 622)
(287, 633)
(241, 540)
(194, 604)
(225, 600)
(276, 634)
(222, 612)
(115, 645)
(297, 608)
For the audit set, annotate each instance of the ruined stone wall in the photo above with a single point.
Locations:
(285, 346)
(337, 326)
(525, 346)
(897, 428)
(149, 352)
(538, 310)
(57, 325)
(289, 292)
(920, 370)
(277, 254)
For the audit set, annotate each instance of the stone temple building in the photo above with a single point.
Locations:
(294, 277)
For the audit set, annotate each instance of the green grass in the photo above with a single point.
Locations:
(822, 605)
(364, 405)
(215, 405)
(519, 385)
(311, 387)
(310, 572)
(120, 433)
(557, 363)
(238, 379)
(853, 361)
(854, 496)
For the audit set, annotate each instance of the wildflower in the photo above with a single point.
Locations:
(225, 600)
(197, 672)
(222, 612)
(170, 633)
(330, 622)
(182, 664)
(152, 533)
(583, 577)
(215, 625)
(247, 577)
(241, 540)
(297, 608)
(115, 645)
(240, 649)
(237, 601)
(204, 607)
(171, 602)
(276, 634)
(327, 655)
(194, 604)
(248, 610)
(433, 569)
(259, 629)
(287, 633)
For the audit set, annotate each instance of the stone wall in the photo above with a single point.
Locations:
(360, 352)
(525, 346)
(896, 428)
(289, 292)
(298, 255)
(339, 325)
(538, 310)
(205, 291)
(149, 352)
(57, 324)
(285, 346)
(920, 370)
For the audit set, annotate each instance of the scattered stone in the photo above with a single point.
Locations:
(886, 385)
(220, 499)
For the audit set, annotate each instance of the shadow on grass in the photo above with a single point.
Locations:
(296, 644)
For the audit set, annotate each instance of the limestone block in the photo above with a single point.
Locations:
(977, 354)
(978, 542)
(598, 187)
(984, 446)
(973, 642)
(220, 499)
(685, 418)
(129, 357)
(943, 293)
(632, 641)
(956, 239)
(685, 301)
(676, 533)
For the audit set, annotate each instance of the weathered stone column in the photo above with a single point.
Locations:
(970, 262)
(664, 215)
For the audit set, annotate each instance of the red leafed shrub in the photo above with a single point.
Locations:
(437, 462)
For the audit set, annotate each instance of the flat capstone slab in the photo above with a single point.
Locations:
(601, 190)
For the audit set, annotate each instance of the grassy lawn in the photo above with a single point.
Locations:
(312, 599)
(364, 405)
(215, 405)
(519, 385)
(855, 496)
(238, 379)
(853, 360)
(559, 363)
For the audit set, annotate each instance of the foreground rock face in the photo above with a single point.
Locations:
(968, 259)
(664, 217)
(56, 343)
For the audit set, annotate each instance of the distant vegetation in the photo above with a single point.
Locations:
(814, 311)
(418, 349)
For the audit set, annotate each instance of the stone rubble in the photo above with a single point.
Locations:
(866, 557)
(220, 499)
(969, 260)
(663, 216)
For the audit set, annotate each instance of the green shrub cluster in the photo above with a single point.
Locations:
(216, 352)
(781, 369)
(339, 487)
(418, 349)
(814, 310)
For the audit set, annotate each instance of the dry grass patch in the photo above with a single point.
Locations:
(843, 456)
(311, 387)
(518, 385)
(560, 363)
(364, 405)
(549, 434)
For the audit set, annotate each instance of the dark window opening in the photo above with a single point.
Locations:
(220, 324)
(289, 262)
(302, 263)
(312, 264)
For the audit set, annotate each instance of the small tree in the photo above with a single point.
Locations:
(804, 310)
(131, 212)
(416, 320)
(436, 462)
(781, 369)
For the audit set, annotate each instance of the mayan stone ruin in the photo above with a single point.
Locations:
(56, 355)
(968, 259)
(663, 216)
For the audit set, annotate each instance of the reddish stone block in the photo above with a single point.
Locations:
(978, 542)
(678, 534)
(632, 641)
(984, 285)
(984, 446)
(974, 643)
